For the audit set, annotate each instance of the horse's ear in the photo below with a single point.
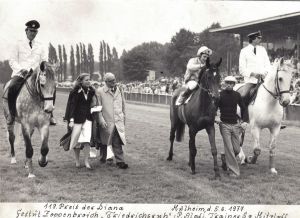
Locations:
(207, 62)
(219, 62)
(43, 66)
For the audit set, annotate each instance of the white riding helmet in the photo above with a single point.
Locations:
(230, 79)
(204, 50)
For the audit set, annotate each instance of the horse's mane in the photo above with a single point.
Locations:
(205, 72)
(36, 73)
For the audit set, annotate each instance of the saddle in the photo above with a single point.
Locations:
(248, 93)
(13, 90)
(184, 97)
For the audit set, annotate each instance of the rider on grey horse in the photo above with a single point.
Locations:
(254, 64)
(26, 56)
(192, 72)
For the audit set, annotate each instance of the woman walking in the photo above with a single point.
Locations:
(82, 103)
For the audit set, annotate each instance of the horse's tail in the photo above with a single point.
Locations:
(176, 123)
(180, 127)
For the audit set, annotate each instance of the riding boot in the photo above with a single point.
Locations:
(183, 96)
(13, 91)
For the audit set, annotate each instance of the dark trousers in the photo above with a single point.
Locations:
(116, 147)
(13, 91)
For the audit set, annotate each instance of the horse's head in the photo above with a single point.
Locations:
(210, 79)
(45, 84)
(282, 78)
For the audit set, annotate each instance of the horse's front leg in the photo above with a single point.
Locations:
(211, 136)
(255, 131)
(26, 130)
(192, 148)
(10, 124)
(11, 138)
(44, 131)
(272, 145)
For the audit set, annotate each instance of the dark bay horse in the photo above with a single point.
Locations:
(34, 105)
(199, 113)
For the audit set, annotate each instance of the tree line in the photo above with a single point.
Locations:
(82, 60)
(171, 58)
(167, 59)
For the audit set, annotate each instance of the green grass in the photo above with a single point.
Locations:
(150, 178)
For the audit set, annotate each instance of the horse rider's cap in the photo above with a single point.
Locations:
(204, 50)
(230, 79)
(255, 35)
(33, 24)
(109, 77)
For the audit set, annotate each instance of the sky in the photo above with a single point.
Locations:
(124, 23)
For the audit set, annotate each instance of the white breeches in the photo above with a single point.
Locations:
(191, 84)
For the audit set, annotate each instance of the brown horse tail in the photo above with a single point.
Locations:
(180, 127)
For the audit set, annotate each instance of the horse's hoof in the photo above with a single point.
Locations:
(31, 175)
(193, 172)
(273, 171)
(244, 162)
(257, 151)
(13, 160)
(169, 158)
(43, 163)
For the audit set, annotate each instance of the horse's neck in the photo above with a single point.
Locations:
(203, 102)
(265, 95)
(30, 85)
(269, 83)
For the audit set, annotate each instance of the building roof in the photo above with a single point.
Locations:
(287, 24)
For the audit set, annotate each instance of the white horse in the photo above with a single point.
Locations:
(267, 109)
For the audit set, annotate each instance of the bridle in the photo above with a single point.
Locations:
(209, 92)
(37, 91)
(278, 92)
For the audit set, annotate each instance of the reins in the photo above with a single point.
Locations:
(205, 89)
(36, 91)
(278, 93)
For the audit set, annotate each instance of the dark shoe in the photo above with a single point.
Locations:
(102, 160)
(122, 165)
(52, 121)
(109, 161)
(282, 126)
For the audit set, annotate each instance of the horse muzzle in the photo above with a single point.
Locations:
(48, 108)
(285, 103)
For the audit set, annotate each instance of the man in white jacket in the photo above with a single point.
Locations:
(254, 65)
(26, 55)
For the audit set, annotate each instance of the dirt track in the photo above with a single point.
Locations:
(150, 178)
